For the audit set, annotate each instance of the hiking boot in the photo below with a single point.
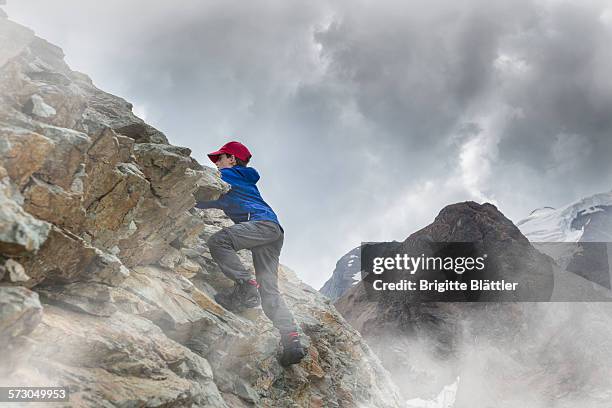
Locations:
(250, 294)
(293, 351)
(244, 295)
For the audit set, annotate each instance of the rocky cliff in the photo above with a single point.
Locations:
(497, 354)
(106, 283)
(346, 274)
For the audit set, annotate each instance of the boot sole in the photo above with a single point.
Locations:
(252, 304)
(236, 308)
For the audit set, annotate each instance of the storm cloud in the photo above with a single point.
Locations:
(365, 118)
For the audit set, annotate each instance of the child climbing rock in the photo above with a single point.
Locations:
(256, 227)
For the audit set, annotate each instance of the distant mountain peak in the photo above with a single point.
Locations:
(588, 219)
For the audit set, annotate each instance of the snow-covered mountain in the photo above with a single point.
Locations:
(586, 220)
(578, 236)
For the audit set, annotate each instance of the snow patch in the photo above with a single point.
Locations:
(591, 210)
(550, 225)
(446, 398)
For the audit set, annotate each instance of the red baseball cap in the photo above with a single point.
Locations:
(235, 148)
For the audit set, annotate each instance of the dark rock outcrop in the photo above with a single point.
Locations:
(502, 354)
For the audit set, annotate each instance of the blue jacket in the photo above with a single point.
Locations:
(243, 202)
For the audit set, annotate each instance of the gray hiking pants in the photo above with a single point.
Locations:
(265, 240)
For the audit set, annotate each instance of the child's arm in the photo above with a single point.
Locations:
(221, 203)
(233, 178)
(207, 204)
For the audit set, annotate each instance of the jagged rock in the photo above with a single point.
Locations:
(183, 311)
(63, 162)
(16, 273)
(143, 133)
(20, 233)
(19, 37)
(358, 379)
(188, 268)
(171, 259)
(20, 312)
(171, 173)
(22, 152)
(106, 110)
(120, 192)
(54, 194)
(119, 360)
(103, 156)
(36, 106)
(67, 258)
(210, 186)
(87, 297)
(53, 204)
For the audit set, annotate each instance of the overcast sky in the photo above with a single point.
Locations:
(365, 118)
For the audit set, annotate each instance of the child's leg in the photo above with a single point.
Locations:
(224, 243)
(265, 259)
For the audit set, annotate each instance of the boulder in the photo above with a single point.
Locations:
(118, 360)
(14, 271)
(22, 152)
(36, 106)
(65, 258)
(20, 232)
(20, 313)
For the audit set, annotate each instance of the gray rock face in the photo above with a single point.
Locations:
(20, 313)
(506, 354)
(36, 106)
(106, 282)
(346, 274)
(348, 271)
(20, 232)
